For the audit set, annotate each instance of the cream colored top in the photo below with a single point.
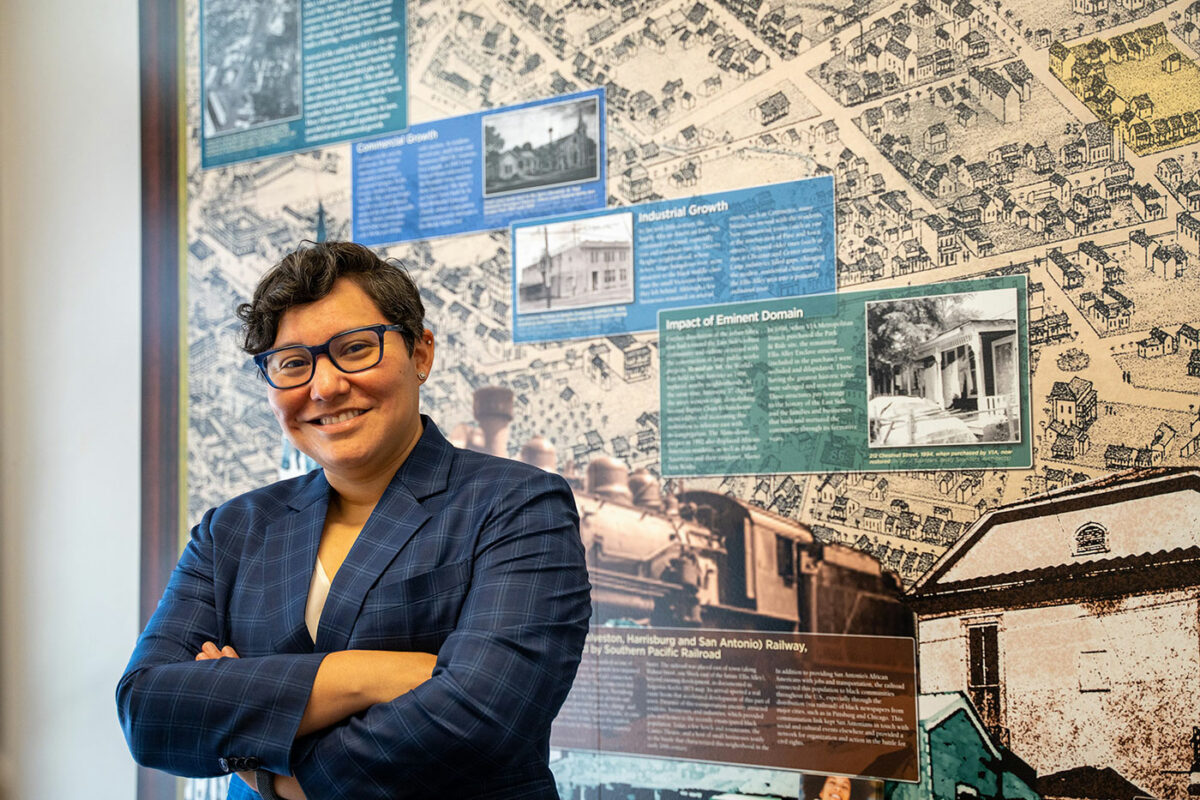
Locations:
(318, 592)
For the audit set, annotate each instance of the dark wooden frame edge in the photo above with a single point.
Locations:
(160, 34)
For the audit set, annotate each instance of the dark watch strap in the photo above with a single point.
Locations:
(265, 781)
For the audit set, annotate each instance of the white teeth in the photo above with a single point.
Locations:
(339, 418)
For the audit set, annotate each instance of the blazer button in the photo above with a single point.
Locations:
(251, 763)
(223, 763)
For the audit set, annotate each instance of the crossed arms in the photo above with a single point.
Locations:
(347, 682)
(372, 724)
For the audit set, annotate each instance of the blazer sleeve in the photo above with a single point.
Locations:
(501, 675)
(207, 718)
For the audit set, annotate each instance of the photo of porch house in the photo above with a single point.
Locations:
(960, 387)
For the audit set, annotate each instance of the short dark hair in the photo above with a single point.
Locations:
(308, 273)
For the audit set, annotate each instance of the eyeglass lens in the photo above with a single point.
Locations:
(353, 351)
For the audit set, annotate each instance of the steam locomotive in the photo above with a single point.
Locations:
(695, 558)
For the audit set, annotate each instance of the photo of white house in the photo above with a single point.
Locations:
(943, 369)
(575, 264)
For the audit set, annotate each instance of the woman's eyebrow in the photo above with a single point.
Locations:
(326, 341)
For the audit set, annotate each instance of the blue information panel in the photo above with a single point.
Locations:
(582, 276)
(278, 77)
(481, 171)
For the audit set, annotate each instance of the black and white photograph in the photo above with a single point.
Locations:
(541, 146)
(942, 370)
(250, 64)
(576, 263)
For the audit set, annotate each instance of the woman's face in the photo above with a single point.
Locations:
(357, 426)
(836, 787)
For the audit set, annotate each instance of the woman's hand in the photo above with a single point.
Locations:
(209, 652)
(288, 788)
(285, 786)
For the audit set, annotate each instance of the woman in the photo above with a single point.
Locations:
(295, 643)
(830, 787)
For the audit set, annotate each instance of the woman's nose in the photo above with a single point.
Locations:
(327, 380)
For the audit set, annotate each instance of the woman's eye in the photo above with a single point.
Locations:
(292, 362)
(356, 348)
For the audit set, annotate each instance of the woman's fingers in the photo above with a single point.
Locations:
(209, 651)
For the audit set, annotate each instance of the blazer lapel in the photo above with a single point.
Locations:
(396, 519)
(290, 553)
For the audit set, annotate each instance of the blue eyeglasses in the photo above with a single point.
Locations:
(350, 351)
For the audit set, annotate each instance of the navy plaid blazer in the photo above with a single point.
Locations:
(472, 557)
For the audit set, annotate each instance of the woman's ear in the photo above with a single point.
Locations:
(422, 356)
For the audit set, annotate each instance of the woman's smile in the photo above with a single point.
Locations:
(344, 416)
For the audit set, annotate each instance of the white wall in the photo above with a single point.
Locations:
(69, 393)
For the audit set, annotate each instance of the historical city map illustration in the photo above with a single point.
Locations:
(1055, 611)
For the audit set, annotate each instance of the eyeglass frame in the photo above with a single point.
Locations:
(316, 350)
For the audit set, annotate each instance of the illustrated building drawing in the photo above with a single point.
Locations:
(1094, 583)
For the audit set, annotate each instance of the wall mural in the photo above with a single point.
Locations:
(1040, 156)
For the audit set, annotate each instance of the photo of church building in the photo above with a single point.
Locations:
(541, 146)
